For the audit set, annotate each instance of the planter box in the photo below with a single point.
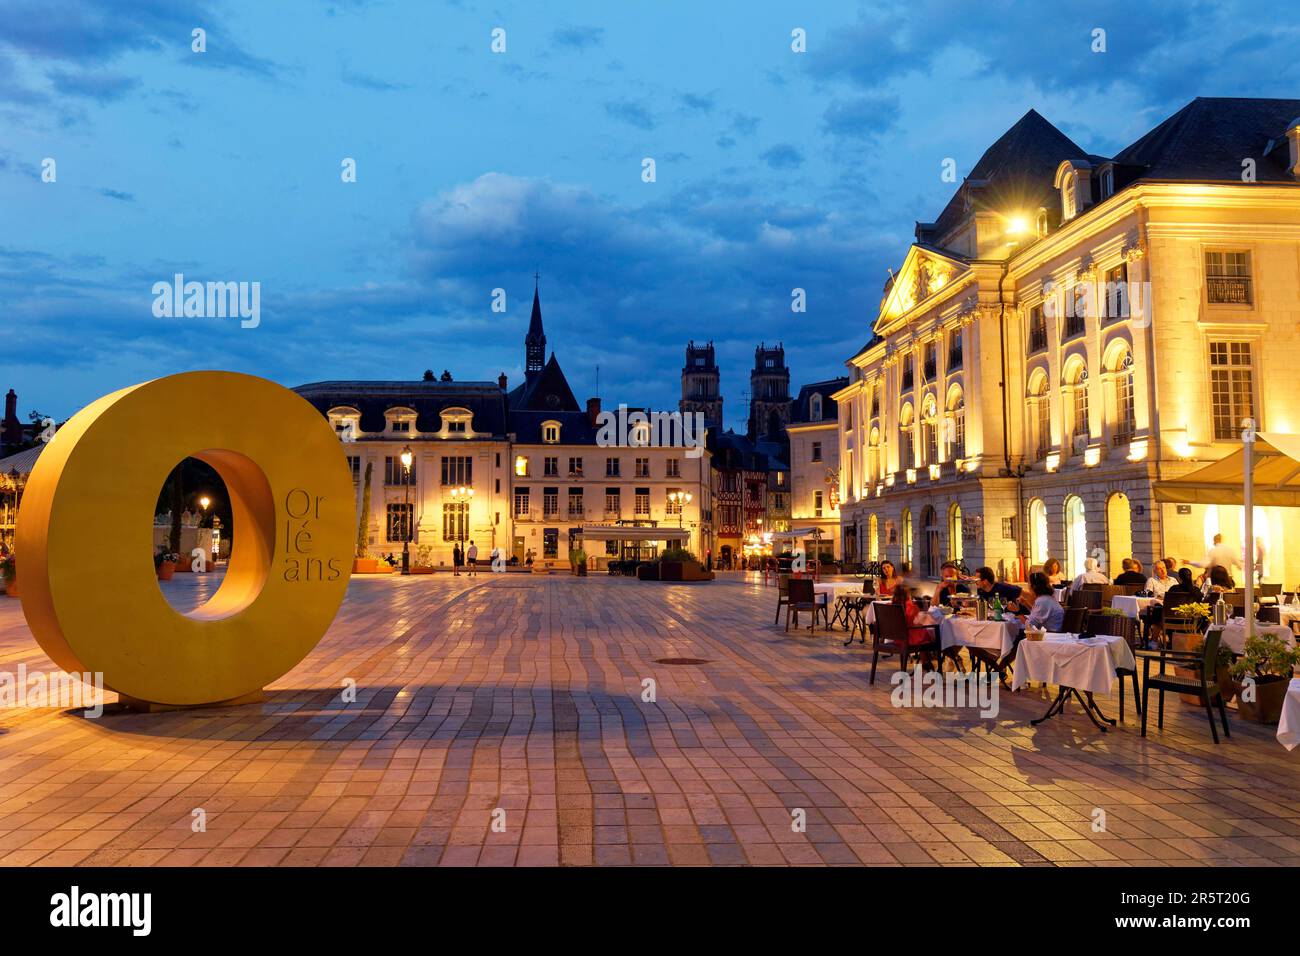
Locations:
(1266, 708)
(185, 563)
(365, 565)
(166, 570)
(419, 570)
(11, 588)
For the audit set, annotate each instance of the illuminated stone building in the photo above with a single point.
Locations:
(1072, 331)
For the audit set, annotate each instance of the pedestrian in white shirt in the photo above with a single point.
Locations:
(472, 557)
(1221, 555)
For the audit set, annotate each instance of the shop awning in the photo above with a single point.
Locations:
(610, 532)
(1276, 476)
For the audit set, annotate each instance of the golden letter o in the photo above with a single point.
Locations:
(90, 593)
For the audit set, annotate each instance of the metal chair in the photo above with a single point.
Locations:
(892, 637)
(803, 596)
(1203, 683)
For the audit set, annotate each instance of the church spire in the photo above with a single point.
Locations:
(535, 340)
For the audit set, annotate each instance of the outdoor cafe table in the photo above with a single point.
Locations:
(1078, 667)
(995, 636)
(1234, 634)
(1130, 605)
(835, 592)
(1288, 728)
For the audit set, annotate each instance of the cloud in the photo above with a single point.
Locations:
(861, 117)
(700, 103)
(364, 81)
(99, 85)
(578, 38)
(782, 156)
(630, 112)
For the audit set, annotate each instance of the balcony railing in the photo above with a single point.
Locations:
(1228, 290)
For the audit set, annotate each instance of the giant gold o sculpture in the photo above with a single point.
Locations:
(90, 594)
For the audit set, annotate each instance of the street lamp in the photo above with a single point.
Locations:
(462, 494)
(407, 458)
(681, 499)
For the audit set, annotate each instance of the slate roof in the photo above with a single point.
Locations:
(484, 399)
(1207, 140)
(830, 412)
(1016, 172)
(544, 391)
(732, 450)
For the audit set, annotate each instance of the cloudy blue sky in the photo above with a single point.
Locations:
(775, 170)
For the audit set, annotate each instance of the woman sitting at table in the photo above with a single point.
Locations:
(1046, 612)
(1052, 569)
(915, 635)
(1220, 581)
(1185, 591)
(888, 579)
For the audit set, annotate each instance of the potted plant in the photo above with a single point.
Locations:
(9, 573)
(1267, 662)
(423, 563)
(580, 557)
(164, 564)
(363, 563)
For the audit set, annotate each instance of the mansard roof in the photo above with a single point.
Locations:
(428, 399)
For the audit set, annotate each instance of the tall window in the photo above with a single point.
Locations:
(550, 466)
(354, 466)
(956, 426)
(575, 466)
(1114, 298)
(399, 521)
(457, 470)
(550, 502)
(1037, 330)
(1232, 388)
(1227, 278)
(930, 433)
(873, 538)
(954, 348)
(954, 533)
(642, 468)
(455, 520)
(613, 503)
(611, 468)
(641, 507)
(817, 504)
(396, 474)
(521, 502)
(1043, 407)
(1079, 407)
(816, 451)
(905, 457)
(673, 468)
(1076, 536)
(905, 546)
(1125, 414)
(1037, 532)
(575, 503)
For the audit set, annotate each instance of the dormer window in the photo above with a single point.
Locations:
(815, 408)
(1074, 179)
(551, 433)
(346, 421)
(1040, 223)
(401, 421)
(1107, 182)
(1069, 199)
(456, 421)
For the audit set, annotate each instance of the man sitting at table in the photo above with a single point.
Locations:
(1132, 575)
(950, 584)
(988, 586)
(1091, 575)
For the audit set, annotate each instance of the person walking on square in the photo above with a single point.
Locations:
(456, 559)
(472, 556)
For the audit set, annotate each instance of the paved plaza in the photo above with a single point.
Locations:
(499, 720)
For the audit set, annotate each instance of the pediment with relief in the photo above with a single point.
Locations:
(924, 273)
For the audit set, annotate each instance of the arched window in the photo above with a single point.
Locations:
(929, 431)
(1076, 535)
(1119, 529)
(906, 458)
(1040, 407)
(905, 543)
(873, 538)
(551, 433)
(1040, 223)
(1077, 405)
(1037, 532)
(929, 543)
(1125, 412)
(954, 533)
(1069, 199)
(815, 408)
(955, 424)
(873, 457)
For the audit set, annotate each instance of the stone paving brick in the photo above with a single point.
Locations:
(523, 695)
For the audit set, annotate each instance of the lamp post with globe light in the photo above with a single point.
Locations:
(406, 457)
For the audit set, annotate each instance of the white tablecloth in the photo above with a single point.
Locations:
(1288, 728)
(1288, 613)
(839, 589)
(870, 614)
(1064, 660)
(1130, 605)
(966, 631)
(1234, 634)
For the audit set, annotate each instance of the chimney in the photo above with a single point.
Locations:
(593, 410)
(11, 406)
(1293, 140)
(501, 381)
(11, 429)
